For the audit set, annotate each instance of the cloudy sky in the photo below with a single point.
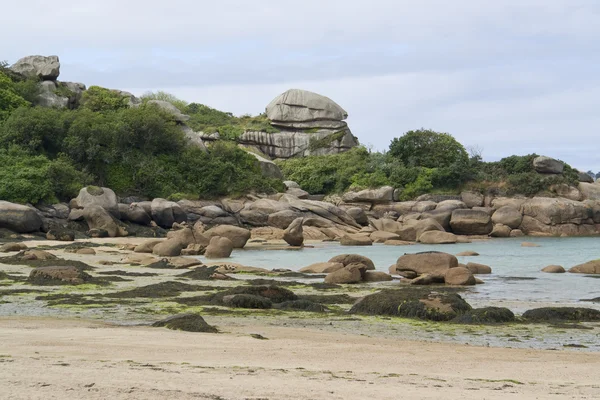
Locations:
(504, 76)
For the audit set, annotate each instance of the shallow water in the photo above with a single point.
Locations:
(509, 262)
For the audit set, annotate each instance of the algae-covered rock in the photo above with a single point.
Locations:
(55, 275)
(247, 301)
(186, 322)
(486, 315)
(301, 305)
(553, 314)
(412, 303)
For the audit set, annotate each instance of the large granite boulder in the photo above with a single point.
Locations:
(294, 234)
(44, 68)
(412, 229)
(170, 109)
(590, 267)
(381, 195)
(508, 216)
(97, 196)
(238, 236)
(431, 262)
(472, 199)
(289, 144)
(471, 222)
(134, 213)
(437, 237)
(554, 211)
(548, 165)
(590, 191)
(100, 219)
(19, 218)
(219, 247)
(359, 215)
(165, 213)
(48, 98)
(301, 109)
(585, 177)
(350, 274)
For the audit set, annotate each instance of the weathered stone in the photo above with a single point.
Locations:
(52, 275)
(381, 195)
(299, 193)
(529, 244)
(437, 237)
(170, 109)
(442, 217)
(554, 211)
(472, 199)
(322, 268)
(294, 234)
(359, 215)
(165, 213)
(349, 274)
(393, 242)
(12, 247)
(19, 218)
(134, 213)
(47, 96)
(508, 216)
(554, 269)
(585, 177)
(382, 237)
(347, 259)
(238, 236)
(471, 222)
(283, 219)
(356, 240)
(467, 254)
(427, 262)
(460, 276)
(45, 68)
(219, 247)
(301, 106)
(566, 191)
(548, 165)
(377, 276)
(62, 235)
(86, 251)
(590, 191)
(590, 267)
(478, 269)
(516, 233)
(98, 196)
(422, 206)
(450, 205)
(147, 246)
(99, 219)
(168, 248)
(501, 231)
(186, 322)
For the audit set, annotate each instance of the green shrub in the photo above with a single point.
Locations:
(100, 99)
(429, 149)
(164, 96)
(26, 178)
(10, 99)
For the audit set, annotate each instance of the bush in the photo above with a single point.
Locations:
(10, 99)
(100, 99)
(27, 178)
(164, 96)
(429, 149)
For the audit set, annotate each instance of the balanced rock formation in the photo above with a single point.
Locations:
(294, 234)
(44, 68)
(548, 165)
(310, 124)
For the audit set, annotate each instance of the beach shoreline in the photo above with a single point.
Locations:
(69, 359)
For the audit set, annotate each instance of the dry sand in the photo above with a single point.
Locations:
(44, 358)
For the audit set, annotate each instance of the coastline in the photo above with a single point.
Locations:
(74, 359)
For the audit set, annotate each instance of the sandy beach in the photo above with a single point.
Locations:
(43, 358)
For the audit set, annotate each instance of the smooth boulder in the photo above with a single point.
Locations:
(356, 240)
(437, 237)
(471, 222)
(42, 67)
(508, 216)
(554, 269)
(98, 196)
(548, 165)
(219, 247)
(459, 276)
(322, 268)
(238, 236)
(99, 219)
(19, 218)
(432, 262)
(294, 234)
(350, 274)
(590, 267)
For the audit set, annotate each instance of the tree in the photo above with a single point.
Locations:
(429, 149)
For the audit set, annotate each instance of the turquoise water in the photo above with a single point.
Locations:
(516, 281)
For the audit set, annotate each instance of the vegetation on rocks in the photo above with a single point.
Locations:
(49, 154)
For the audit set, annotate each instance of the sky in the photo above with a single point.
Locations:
(503, 77)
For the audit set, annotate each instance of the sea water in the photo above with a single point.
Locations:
(516, 279)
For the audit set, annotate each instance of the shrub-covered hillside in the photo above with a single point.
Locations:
(49, 154)
(421, 162)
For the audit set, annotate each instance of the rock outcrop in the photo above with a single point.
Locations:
(19, 218)
(44, 68)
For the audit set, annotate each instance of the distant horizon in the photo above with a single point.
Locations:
(514, 77)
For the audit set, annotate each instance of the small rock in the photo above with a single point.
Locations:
(356, 240)
(467, 254)
(86, 251)
(13, 247)
(186, 322)
(554, 269)
(459, 276)
(529, 244)
(219, 247)
(479, 269)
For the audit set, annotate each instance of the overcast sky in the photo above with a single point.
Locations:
(506, 76)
